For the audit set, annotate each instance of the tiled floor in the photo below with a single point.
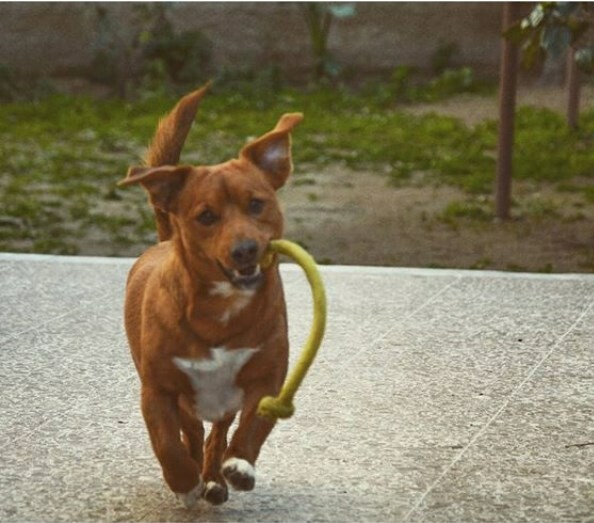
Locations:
(437, 396)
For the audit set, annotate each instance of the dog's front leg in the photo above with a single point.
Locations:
(215, 488)
(162, 419)
(240, 457)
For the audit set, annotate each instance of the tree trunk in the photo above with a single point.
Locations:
(573, 90)
(507, 109)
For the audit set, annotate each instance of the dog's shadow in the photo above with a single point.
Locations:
(269, 502)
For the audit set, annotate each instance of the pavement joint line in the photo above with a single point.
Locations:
(59, 413)
(57, 258)
(397, 324)
(75, 491)
(568, 478)
(331, 269)
(497, 413)
(467, 273)
(34, 328)
(10, 337)
(27, 435)
(148, 513)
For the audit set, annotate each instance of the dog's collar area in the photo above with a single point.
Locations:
(248, 278)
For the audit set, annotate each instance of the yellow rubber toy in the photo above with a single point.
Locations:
(282, 406)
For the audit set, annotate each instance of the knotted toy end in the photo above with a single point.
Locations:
(274, 408)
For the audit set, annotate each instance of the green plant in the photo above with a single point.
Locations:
(261, 85)
(319, 18)
(185, 57)
(115, 56)
(8, 85)
(406, 85)
(153, 54)
(550, 29)
(441, 59)
(400, 83)
(14, 88)
(451, 81)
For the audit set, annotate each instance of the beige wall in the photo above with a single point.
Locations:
(58, 38)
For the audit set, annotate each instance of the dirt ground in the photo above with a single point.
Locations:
(351, 217)
(355, 219)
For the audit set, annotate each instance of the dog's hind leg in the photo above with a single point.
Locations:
(215, 487)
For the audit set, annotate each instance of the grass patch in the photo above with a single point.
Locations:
(589, 194)
(465, 210)
(62, 156)
(540, 208)
(547, 150)
(303, 180)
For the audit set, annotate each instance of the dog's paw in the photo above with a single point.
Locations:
(215, 493)
(190, 499)
(240, 474)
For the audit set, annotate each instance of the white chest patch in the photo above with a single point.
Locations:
(238, 298)
(213, 381)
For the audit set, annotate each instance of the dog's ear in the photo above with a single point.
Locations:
(271, 153)
(172, 131)
(162, 183)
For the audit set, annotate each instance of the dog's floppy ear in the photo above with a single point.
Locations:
(162, 183)
(271, 153)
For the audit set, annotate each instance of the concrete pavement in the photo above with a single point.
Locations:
(437, 396)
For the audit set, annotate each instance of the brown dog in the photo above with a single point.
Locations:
(207, 326)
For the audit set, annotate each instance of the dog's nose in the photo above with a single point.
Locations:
(244, 252)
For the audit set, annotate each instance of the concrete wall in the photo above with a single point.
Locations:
(58, 38)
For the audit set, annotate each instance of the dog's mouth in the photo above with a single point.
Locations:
(246, 278)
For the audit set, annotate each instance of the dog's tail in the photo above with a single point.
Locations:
(167, 144)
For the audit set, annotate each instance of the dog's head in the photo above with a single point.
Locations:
(223, 216)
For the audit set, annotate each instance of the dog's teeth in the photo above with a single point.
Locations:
(241, 274)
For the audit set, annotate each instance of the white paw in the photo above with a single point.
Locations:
(190, 499)
(239, 473)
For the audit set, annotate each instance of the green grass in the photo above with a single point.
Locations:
(589, 194)
(61, 157)
(457, 209)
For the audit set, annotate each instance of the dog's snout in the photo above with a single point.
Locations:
(245, 252)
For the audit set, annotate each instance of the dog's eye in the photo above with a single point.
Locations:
(256, 206)
(207, 217)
